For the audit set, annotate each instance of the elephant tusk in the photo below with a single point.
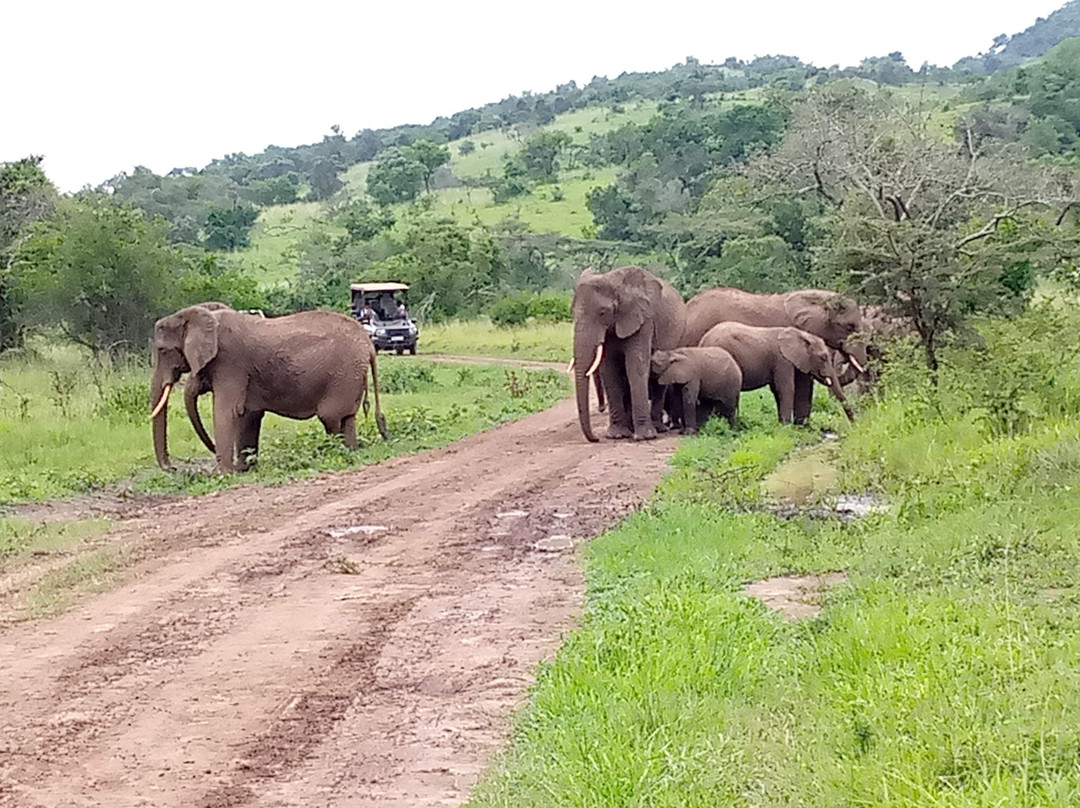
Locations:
(596, 361)
(570, 367)
(828, 381)
(855, 364)
(161, 402)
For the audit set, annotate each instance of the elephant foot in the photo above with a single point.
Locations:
(618, 432)
(661, 428)
(646, 433)
(689, 431)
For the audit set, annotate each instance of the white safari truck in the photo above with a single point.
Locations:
(381, 309)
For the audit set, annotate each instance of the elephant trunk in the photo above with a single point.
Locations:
(584, 348)
(832, 381)
(191, 403)
(159, 401)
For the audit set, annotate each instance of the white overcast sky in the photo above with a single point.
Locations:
(99, 87)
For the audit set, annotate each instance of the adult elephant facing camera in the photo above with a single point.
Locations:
(313, 363)
(620, 318)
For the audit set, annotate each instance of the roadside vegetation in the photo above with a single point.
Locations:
(941, 672)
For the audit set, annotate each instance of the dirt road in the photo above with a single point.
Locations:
(358, 639)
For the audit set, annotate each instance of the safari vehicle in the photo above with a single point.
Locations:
(375, 305)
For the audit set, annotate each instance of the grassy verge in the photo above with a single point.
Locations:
(66, 428)
(943, 672)
(541, 341)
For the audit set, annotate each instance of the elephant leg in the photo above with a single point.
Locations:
(673, 403)
(636, 357)
(804, 396)
(226, 428)
(783, 388)
(690, 392)
(657, 393)
(247, 439)
(601, 401)
(348, 431)
(615, 387)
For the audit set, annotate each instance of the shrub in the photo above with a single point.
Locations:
(551, 307)
(516, 308)
(511, 310)
(406, 377)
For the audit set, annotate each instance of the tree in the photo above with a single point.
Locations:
(26, 196)
(430, 156)
(934, 231)
(101, 272)
(324, 179)
(363, 221)
(540, 154)
(395, 177)
(230, 228)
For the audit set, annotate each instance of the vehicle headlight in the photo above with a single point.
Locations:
(380, 332)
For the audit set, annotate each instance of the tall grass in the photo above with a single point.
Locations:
(943, 672)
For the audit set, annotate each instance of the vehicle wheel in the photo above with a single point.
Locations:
(399, 351)
(412, 350)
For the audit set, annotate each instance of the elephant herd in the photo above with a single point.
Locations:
(642, 345)
(656, 353)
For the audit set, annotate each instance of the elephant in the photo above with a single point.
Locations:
(826, 314)
(620, 318)
(312, 363)
(704, 380)
(787, 360)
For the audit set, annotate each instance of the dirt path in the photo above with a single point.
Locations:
(355, 640)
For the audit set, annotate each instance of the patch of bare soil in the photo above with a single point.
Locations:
(352, 640)
(795, 596)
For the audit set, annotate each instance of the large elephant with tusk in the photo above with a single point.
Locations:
(312, 363)
(620, 318)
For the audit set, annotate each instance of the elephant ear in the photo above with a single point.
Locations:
(809, 310)
(635, 301)
(795, 348)
(678, 370)
(200, 338)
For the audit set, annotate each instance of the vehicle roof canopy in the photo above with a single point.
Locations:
(379, 287)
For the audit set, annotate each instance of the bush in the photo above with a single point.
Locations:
(551, 307)
(511, 310)
(516, 308)
(406, 377)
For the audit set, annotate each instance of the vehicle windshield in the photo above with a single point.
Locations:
(383, 307)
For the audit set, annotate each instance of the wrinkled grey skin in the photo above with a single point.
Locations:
(826, 314)
(308, 364)
(630, 312)
(704, 381)
(787, 360)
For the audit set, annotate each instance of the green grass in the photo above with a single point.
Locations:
(67, 429)
(542, 341)
(20, 538)
(539, 210)
(275, 240)
(943, 672)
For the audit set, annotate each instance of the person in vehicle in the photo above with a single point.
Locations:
(367, 314)
(400, 314)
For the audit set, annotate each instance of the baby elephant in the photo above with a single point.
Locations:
(787, 360)
(706, 380)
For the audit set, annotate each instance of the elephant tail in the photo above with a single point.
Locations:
(380, 422)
